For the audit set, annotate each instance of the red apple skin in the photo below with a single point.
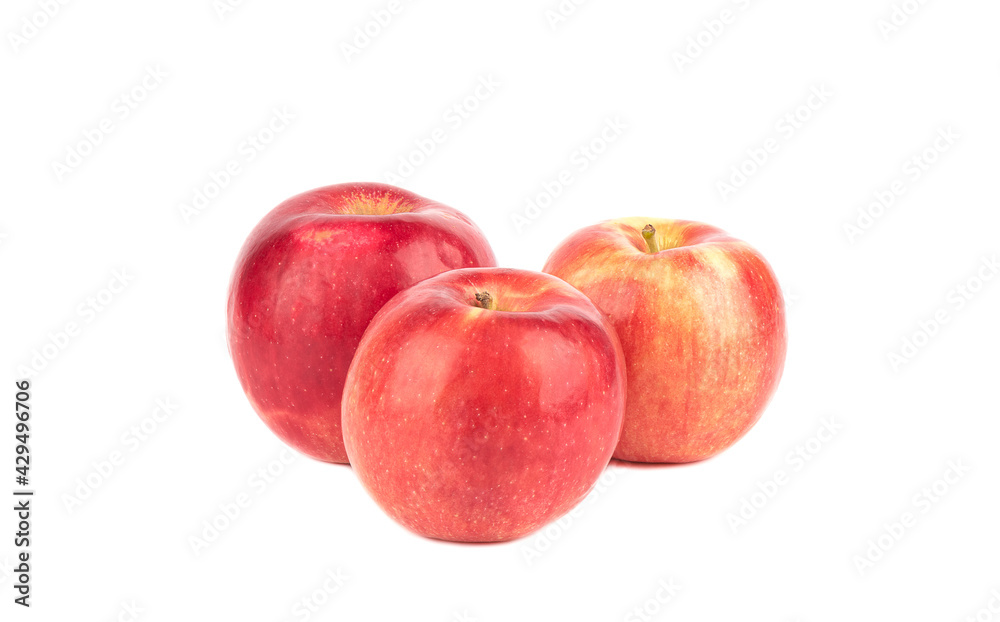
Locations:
(702, 324)
(310, 278)
(477, 425)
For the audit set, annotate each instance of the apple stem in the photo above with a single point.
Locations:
(485, 301)
(647, 234)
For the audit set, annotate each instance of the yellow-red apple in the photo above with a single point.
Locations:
(701, 320)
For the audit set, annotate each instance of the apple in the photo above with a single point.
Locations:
(701, 320)
(310, 278)
(484, 403)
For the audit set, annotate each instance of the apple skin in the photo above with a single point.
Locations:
(702, 324)
(476, 425)
(310, 278)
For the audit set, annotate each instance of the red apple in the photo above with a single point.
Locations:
(310, 278)
(484, 403)
(702, 322)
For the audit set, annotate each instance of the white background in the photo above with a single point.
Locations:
(852, 298)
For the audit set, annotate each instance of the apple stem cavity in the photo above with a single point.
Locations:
(647, 234)
(485, 301)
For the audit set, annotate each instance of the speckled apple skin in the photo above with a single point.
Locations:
(477, 425)
(702, 324)
(310, 278)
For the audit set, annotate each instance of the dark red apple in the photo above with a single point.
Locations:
(701, 319)
(484, 403)
(310, 278)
